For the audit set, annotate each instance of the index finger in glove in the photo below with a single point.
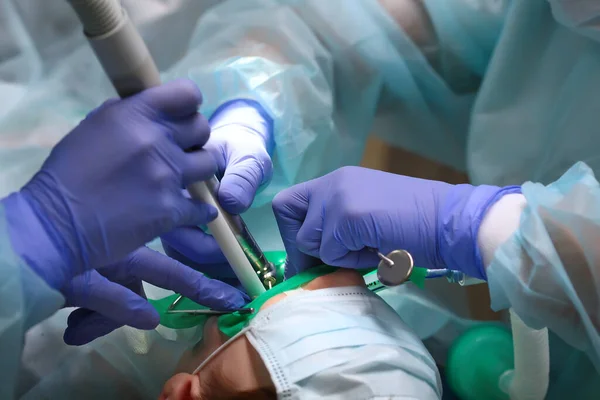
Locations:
(84, 326)
(241, 181)
(95, 292)
(160, 270)
(178, 98)
(291, 208)
(221, 271)
(194, 244)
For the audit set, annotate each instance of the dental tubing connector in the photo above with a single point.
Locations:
(118, 45)
(131, 69)
(99, 17)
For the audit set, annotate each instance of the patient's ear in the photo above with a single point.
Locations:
(181, 387)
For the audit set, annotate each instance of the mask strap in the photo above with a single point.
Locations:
(220, 349)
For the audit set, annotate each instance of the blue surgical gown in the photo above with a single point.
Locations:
(501, 90)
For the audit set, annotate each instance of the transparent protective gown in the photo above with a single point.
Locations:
(502, 90)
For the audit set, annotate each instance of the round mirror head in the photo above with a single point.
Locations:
(398, 273)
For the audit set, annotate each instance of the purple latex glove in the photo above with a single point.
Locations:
(113, 296)
(240, 141)
(336, 217)
(113, 184)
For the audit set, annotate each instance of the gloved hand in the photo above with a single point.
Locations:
(114, 183)
(240, 141)
(335, 217)
(113, 296)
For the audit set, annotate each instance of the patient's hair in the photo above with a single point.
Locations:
(218, 386)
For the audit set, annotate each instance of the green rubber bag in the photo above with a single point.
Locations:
(477, 360)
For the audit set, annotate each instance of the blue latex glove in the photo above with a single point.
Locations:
(240, 141)
(113, 296)
(114, 183)
(335, 217)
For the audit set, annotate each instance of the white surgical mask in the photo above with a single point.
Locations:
(342, 343)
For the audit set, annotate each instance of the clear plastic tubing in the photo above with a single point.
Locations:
(531, 375)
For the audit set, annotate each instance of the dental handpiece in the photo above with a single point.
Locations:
(127, 62)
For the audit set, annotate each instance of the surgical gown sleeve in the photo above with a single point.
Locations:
(324, 69)
(25, 300)
(548, 271)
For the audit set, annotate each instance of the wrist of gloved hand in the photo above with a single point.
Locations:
(459, 221)
(499, 223)
(246, 114)
(32, 243)
(242, 142)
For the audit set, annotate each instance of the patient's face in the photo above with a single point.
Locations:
(238, 369)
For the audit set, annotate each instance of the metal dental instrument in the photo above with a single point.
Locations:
(174, 303)
(212, 312)
(131, 69)
(396, 268)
